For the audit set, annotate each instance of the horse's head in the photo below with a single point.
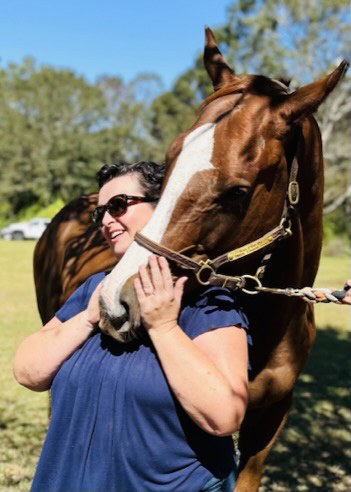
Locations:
(226, 177)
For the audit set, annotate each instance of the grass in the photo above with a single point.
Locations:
(313, 452)
(23, 414)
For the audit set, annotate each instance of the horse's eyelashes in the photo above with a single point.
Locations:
(233, 195)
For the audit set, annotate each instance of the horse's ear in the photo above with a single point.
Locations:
(215, 64)
(306, 100)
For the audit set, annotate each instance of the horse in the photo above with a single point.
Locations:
(241, 205)
(248, 172)
(70, 250)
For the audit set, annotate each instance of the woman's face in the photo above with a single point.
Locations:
(119, 231)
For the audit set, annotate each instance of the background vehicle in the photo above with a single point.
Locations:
(31, 229)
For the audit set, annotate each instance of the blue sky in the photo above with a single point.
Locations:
(115, 37)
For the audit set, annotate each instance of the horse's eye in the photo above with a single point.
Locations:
(239, 192)
(234, 194)
(231, 200)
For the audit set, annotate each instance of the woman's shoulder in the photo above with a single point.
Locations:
(94, 279)
(211, 307)
(89, 285)
(216, 297)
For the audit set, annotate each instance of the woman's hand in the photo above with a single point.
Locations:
(158, 297)
(93, 308)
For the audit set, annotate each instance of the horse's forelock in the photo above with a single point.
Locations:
(225, 90)
(257, 84)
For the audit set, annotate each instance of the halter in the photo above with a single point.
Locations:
(206, 271)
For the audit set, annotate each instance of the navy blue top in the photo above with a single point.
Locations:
(116, 425)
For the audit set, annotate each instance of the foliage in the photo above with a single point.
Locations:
(292, 38)
(47, 115)
(56, 129)
(36, 210)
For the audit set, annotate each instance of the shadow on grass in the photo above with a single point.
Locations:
(313, 451)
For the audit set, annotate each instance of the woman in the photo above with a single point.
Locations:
(155, 414)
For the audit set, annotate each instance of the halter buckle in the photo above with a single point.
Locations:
(293, 192)
(204, 266)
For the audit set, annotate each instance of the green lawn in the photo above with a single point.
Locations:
(313, 452)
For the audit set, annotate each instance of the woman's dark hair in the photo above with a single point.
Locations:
(150, 175)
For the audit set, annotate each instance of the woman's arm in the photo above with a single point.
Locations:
(40, 355)
(208, 375)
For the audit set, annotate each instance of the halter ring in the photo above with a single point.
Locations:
(204, 266)
(255, 279)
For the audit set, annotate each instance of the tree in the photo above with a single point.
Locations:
(125, 135)
(56, 130)
(47, 116)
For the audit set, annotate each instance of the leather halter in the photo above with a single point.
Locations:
(206, 271)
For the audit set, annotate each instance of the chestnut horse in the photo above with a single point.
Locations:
(226, 186)
(70, 250)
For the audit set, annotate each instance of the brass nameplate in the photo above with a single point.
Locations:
(250, 248)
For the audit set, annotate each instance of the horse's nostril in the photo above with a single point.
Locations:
(126, 307)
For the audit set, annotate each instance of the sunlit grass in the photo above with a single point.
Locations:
(23, 414)
(312, 451)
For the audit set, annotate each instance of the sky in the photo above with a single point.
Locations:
(114, 37)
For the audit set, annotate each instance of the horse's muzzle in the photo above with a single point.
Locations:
(122, 321)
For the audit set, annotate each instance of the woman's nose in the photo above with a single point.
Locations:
(107, 219)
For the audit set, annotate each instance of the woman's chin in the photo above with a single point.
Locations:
(120, 247)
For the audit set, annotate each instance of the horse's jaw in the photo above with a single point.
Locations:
(119, 307)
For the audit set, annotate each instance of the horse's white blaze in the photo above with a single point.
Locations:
(194, 157)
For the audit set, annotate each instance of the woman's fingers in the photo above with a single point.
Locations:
(93, 308)
(158, 281)
(179, 288)
(139, 289)
(156, 275)
(166, 273)
(145, 280)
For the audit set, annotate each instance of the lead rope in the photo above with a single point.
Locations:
(308, 294)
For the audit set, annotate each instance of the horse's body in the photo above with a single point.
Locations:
(70, 250)
(226, 185)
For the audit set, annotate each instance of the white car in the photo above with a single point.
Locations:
(32, 229)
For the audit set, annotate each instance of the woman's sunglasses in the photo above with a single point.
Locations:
(116, 206)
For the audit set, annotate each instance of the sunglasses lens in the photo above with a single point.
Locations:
(117, 205)
(97, 215)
